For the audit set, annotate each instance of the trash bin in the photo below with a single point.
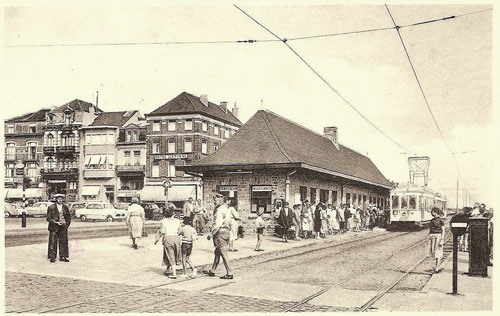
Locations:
(478, 248)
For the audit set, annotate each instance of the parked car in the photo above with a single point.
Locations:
(74, 206)
(152, 211)
(99, 211)
(13, 210)
(38, 209)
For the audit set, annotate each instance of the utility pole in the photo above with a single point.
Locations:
(457, 199)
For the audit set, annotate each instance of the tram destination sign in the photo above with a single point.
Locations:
(173, 156)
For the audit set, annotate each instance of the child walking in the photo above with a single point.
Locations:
(188, 235)
(259, 224)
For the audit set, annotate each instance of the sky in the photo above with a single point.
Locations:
(45, 65)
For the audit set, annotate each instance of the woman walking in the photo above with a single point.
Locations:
(135, 221)
(436, 238)
(169, 230)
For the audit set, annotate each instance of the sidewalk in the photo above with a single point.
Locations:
(113, 260)
(475, 293)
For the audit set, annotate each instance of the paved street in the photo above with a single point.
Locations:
(336, 274)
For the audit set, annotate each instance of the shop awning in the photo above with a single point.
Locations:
(33, 193)
(13, 193)
(181, 192)
(90, 190)
(153, 193)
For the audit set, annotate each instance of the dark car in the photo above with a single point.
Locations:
(152, 211)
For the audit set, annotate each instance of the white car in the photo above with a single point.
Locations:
(38, 209)
(99, 211)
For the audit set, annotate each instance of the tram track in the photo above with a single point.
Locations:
(263, 262)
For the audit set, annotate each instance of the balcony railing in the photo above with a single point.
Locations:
(62, 171)
(16, 179)
(49, 150)
(10, 157)
(130, 168)
(29, 157)
(98, 173)
(65, 149)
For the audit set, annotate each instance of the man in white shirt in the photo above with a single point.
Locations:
(220, 234)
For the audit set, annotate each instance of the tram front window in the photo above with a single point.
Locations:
(395, 202)
(404, 202)
(413, 202)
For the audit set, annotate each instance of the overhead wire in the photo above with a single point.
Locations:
(325, 81)
(250, 41)
(423, 94)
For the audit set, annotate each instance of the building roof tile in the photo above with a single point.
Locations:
(117, 119)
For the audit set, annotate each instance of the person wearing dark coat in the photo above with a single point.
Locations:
(59, 220)
(317, 220)
(285, 219)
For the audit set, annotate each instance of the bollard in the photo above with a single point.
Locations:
(23, 219)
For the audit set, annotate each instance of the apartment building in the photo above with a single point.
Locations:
(185, 129)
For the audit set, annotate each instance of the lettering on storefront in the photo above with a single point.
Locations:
(166, 157)
(56, 181)
(262, 188)
(228, 188)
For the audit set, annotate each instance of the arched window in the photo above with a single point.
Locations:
(50, 139)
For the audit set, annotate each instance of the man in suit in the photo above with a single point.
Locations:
(59, 220)
(285, 219)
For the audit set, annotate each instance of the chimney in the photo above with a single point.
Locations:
(223, 106)
(330, 132)
(204, 99)
(235, 110)
(97, 101)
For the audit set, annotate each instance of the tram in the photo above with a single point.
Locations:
(410, 205)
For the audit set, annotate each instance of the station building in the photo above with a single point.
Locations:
(180, 132)
(272, 159)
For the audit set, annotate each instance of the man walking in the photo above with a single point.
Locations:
(220, 234)
(285, 220)
(59, 220)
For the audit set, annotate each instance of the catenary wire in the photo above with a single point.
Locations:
(249, 41)
(326, 82)
(423, 93)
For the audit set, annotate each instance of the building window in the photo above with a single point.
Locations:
(216, 129)
(303, 193)
(204, 126)
(204, 146)
(155, 170)
(32, 129)
(10, 170)
(156, 147)
(129, 136)
(172, 127)
(32, 171)
(313, 196)
(126, 153)
(216, 146)
(171, 146)
(334, 197)
(156, 126)
(50, 163)
(261, 198)
(348, 198)
(188, 145)
(222, 133)
(323, 196)
(10, 129)
(11, 151)
(137, 157)
(171, 169)
(50, 140)
(354, 199)
(188, 125)
(31, 146)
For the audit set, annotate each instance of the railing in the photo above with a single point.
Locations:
(16, 179)
(137, 168)
(10, 157)
(49, 150)
(69, 171)
(65, 149)
(29, 156)
(98, 173)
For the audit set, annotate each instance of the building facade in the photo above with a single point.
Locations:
(180, 132)
(61, 148)
(98, 155)
(272, 160)
(24, 154)
(131, 161)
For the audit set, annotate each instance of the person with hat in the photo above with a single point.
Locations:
(59, 220)
(285, 219)
(135, 221)
(220, 234)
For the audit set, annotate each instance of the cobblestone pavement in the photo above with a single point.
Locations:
(362, 264)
